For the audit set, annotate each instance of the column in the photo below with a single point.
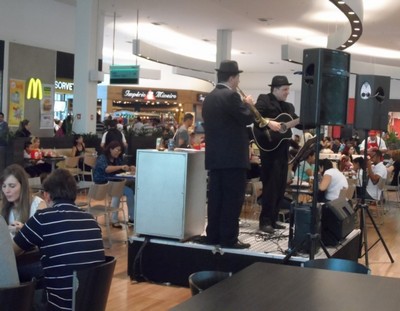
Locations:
(88, 47)
(224, 45)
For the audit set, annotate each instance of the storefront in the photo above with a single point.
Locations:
(168, 105)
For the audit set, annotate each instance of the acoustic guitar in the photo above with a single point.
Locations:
(268, 140)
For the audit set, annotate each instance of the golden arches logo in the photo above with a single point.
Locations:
(35, 89)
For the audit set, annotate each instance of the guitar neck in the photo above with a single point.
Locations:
(292, 123)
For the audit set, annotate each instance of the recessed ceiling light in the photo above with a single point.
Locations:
(264, 19)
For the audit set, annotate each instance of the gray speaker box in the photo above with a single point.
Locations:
(325, 87)
(372, 102)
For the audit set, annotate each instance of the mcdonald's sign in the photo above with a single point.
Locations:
(35, 89)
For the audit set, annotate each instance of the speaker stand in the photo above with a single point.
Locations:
(364, 209)
(313, 237)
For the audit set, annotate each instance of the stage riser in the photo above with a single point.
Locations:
(172, 264)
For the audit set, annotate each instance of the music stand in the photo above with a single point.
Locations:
(313, 236)
(364, 209)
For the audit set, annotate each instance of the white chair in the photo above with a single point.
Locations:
(253, 188)
(97, 204)
(389, 188)
(72, 165)
(116, 191)
(89, 162)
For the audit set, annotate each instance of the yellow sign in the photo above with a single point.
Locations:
(35, 89)
(16, 102)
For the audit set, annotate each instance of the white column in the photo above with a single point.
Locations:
(88, 41)
(224, 45)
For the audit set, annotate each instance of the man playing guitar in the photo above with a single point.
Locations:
(274, 162)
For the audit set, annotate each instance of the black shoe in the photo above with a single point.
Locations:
(116, 225)
(278, 226)
(237, 245)
(202, 239)
(267, 228)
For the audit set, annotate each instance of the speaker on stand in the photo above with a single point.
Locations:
(372, 102)
(324, 97)
(324, 87)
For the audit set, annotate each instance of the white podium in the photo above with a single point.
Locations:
(170, 198)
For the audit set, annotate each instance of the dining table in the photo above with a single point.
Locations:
(53, 161)
(277, 287)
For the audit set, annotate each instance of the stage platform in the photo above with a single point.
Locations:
(168, 261)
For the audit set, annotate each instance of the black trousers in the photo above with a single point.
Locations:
(274, 170)
(226, 191)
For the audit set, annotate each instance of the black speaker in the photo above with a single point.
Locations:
(324, 87)
(303, 223)
(372, 102)
(337, 221)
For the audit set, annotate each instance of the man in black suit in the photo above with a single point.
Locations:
(274, 163)
(227, 156)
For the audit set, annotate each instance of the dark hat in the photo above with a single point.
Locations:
(229, 66)
(279, 81)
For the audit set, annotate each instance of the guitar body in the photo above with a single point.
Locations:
(268, 140)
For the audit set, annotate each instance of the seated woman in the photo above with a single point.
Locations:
(17, 202)
(78, 149)
(333, 181)
(109, 164)
(306, 168)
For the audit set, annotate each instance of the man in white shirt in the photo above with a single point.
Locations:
(375, 173)
(374, 142)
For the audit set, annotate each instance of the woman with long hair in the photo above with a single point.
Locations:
(78, 148)
(23, 129)
(333, 181)
(109, 164)
(18, 204)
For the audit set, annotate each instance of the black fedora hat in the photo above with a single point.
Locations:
(279, 81)
(229, 66)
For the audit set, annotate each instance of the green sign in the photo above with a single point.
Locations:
(124, 74)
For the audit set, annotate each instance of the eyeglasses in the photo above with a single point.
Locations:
(117, 150)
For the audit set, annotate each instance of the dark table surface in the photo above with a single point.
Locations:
(273, 287)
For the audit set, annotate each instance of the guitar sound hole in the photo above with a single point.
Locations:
(283, 128)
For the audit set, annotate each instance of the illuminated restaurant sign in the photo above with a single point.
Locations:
(35, 89)
(141, 94)
(64, 86)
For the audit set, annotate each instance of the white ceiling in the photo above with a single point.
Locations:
(256, 45)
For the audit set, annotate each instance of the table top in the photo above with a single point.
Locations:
(274, 287)
(80, 185)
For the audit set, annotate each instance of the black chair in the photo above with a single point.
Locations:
(200, 281)
(92, 285)
(18, 297)
(336, 264)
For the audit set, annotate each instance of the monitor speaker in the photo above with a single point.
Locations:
(337, 221)
(372, 102)
(302, 229)
(324, 87)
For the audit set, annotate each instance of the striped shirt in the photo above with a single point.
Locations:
(68, 239)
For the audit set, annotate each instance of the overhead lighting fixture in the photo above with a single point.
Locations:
(353, 10)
